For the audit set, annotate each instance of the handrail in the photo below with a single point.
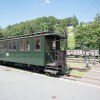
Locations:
(50, 56)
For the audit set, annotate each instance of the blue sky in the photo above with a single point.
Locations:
(16, 11)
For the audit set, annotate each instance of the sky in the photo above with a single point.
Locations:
(16, 11)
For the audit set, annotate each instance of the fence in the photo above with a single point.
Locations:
(80, 52)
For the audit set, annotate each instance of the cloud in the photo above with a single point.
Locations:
(47, 1)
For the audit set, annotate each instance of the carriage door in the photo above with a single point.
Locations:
(52, 45)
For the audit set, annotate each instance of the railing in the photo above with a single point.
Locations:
(50, 56)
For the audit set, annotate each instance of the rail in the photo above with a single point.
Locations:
(50, 57)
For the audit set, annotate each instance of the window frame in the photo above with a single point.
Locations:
(8, 47)
(35, 49)
(26, 48)
(22, 48)
(14, 40)
(5, 45)
(1, 45)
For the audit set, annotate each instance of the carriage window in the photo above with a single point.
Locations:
(5, 45)
(27, 44)
(14, 44)
(37, 44)
(54, 45)
(9, 45)
(1, 45)
(21, 44)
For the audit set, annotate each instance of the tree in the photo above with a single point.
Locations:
(89, 34)
(97, 18)
(40, 24)
(74, 21)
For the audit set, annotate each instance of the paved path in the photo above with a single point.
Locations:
(16, 85)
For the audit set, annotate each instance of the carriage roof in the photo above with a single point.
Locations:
(34, 35)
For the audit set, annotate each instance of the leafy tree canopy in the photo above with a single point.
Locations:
(40, 24)
(88, 35)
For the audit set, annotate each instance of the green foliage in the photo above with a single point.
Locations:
(38, 25)
(88, 35)
(71, 21)
(97, 18)
(71, 41)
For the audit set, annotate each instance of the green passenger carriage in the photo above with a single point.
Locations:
(41, 51)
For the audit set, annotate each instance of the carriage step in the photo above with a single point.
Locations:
(51, 71)
(51, 64)
(55, 68)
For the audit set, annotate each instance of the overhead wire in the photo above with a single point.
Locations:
(95, 4)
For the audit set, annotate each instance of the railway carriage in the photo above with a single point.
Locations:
(41, 51)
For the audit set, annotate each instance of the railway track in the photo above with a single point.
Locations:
(86, 80)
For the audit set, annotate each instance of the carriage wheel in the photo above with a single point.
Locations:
(35, 69)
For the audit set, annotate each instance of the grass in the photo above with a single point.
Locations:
(77, 73)
(71, 41)
(76, 65)
(77, 69)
